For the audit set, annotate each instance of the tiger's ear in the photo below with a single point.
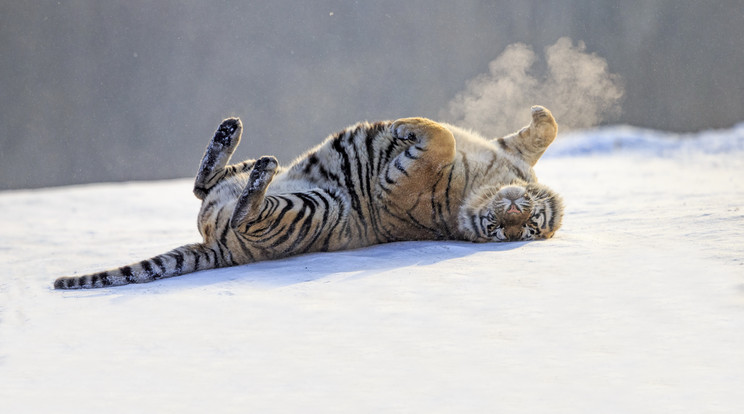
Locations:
(547, 210)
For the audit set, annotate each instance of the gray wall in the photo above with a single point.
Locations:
(121, 90)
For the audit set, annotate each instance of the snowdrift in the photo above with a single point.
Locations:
(637, 304)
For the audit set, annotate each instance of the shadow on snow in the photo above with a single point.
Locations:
(341, 265)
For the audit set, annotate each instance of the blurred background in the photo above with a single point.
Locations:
(128, 90)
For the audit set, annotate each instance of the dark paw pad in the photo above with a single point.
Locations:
(226, 130)
(262, 173)
(265, 163)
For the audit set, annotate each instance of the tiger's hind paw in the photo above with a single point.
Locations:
(228, 131)
(218, 153)
(262, 173)
(247, 207)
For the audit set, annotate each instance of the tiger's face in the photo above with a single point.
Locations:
(512, 213)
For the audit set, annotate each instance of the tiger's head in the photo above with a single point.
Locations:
(514, 212)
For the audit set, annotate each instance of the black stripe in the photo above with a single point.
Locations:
(309, 204)
(369, 142)
(437, 206)
(359, 169)
(447, 190)
(159, 263)
(409, 155)
(310, 161)
(245, 249)
(323, 222)
(386, 189)
(373, 213)
(418, 224)
(404, 220)
(208, 208)
(273, 223)
(502, 144)
(126, 271)
(214, 258)
(551, 203)
(105, 279)
(388, 152)
(147, 267)
(476, 226)
(342, 217)
(179, 262)
(225, 231)
(376, 158)
(224, 253)
(491, 164)
(400, 168)
(292, 225)
(349, 184)
(466, 167)
(328, 176)
(197, 259)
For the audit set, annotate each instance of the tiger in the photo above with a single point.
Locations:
(371, 183)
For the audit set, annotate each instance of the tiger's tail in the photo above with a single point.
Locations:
(179, 261)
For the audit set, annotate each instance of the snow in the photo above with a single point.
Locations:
(642, 141)
(637, 304)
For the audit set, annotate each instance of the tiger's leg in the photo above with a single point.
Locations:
(280, 225)
(213, 166)
(531, 141)
(432, 147)
(249, 202)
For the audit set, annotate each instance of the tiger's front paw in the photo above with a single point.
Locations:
(415, 129)
(543, 127)
(427, 141)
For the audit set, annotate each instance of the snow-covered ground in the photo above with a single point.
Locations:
(637, 304)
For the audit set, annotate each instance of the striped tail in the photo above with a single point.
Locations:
(179, 261)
